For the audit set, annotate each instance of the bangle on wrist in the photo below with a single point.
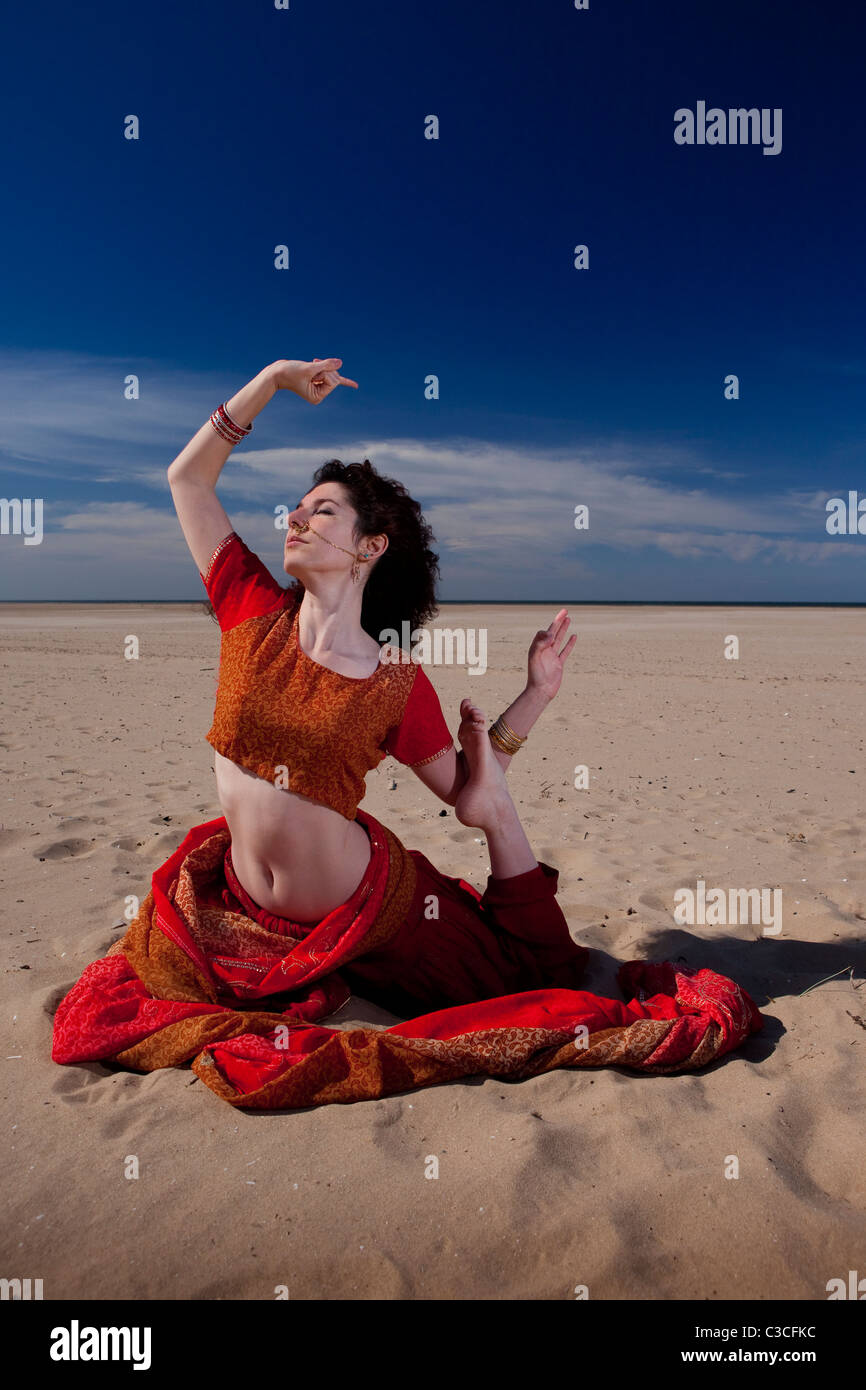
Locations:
(227, 428)
(504, 738)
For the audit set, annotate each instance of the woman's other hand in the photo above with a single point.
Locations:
(312, 381)
(546, 662)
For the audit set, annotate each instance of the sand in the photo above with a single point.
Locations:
(743, 773)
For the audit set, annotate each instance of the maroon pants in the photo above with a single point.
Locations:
(455, 948)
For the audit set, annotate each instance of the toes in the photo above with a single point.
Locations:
(470, 711)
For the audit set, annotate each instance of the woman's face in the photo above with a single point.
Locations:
(331, 518)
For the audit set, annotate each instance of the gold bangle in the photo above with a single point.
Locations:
(505, 742)
(505, 738)
(509, 732)
(499, 743)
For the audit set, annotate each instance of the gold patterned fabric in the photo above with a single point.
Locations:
(294, 722)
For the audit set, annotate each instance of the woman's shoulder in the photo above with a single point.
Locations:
(420, 732)
(240, 586)
(407, 674)
(399, 663)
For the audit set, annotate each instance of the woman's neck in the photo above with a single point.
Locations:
(329, 621)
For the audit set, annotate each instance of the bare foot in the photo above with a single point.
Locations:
(485, 795)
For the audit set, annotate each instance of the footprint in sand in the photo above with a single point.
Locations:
(387, 1117)
(65, 849)
(654, 901)
(70, 1085)
(127, 842)
(461, 837)
(162, 845)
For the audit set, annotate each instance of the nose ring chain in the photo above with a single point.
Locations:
(300, 527)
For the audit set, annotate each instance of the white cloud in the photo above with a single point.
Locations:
(501, 513)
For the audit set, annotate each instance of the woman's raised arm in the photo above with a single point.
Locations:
(447, 775)
(193, 475)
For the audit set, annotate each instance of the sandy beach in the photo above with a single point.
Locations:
(743, 773)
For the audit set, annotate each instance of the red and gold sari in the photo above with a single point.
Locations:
(201, 976)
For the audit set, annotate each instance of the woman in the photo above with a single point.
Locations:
(360, 551)
(298, 897)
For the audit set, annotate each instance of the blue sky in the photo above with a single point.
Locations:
(451, 257)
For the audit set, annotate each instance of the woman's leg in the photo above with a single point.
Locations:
(485, 801)
(453, 947)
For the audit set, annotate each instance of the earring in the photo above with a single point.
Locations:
(356, 566)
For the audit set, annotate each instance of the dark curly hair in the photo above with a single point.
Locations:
(402, 583)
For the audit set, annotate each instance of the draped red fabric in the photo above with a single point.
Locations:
(197, 979)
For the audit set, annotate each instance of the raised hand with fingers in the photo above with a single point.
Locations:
(545, 661)
(312, 381)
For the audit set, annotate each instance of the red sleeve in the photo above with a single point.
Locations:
(422, 734)
(238, 585)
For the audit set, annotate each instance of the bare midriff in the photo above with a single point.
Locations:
(295, 857)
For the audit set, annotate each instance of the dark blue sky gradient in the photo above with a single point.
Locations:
(453, 257)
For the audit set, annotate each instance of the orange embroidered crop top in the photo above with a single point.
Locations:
(294, 722)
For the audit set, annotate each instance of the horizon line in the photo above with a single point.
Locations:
(491, 602)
